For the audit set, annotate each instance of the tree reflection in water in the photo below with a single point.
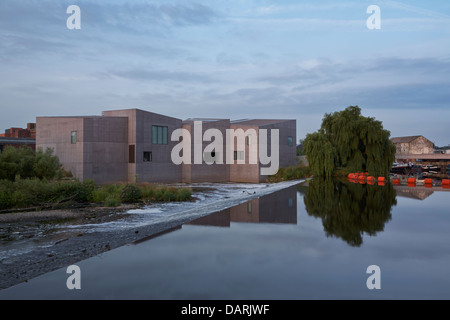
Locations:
(350, 209)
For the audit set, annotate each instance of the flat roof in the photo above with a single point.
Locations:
(4, 140)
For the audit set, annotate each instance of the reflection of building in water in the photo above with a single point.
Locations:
(420, 193)
(278, 207)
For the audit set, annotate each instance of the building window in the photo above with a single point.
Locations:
(159, 135)
(239, 155)
(131, 153)
(290, 141)
(249, 207)
(249, 140)
(148, 156)
(73, 137)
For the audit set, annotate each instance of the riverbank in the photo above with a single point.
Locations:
(104, 229)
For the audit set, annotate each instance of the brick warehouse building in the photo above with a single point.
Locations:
(18, 137)
(135, 145)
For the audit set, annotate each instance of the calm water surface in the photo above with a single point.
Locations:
(298, 243)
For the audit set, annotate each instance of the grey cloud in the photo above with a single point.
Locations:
(161, 75)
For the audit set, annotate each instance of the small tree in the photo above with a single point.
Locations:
(349, 140)
(23, 162)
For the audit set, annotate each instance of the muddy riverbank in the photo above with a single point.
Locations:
(35, 243)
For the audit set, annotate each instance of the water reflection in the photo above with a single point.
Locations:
(348, 210)
(278, 207)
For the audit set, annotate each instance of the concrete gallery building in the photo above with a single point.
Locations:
(136, 145)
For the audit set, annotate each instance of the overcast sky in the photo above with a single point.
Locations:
(230, 59)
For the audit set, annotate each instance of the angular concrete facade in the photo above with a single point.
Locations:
(89, 147)
(134, 145)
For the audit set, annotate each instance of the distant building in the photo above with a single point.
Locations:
(419, 149)
(413, 145)
(135, 145)
(29, 132)
(18, 137)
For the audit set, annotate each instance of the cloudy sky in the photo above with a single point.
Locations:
(231, 59)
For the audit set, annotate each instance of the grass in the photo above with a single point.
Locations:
(30, 193)
(296, 172)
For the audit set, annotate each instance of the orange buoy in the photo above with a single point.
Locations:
(381, 179)
(428, 181)
(445, 182)
(411, 180)
(395, 181)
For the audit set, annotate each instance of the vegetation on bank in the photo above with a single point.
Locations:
(299, 171)
(31, 193)
(349, 142)
(31, 179)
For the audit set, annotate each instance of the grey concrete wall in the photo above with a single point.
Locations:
(105, 154)
(287, 154)
(131, 115)
(245, 172)
(161, 168)
(55, 133)
(207, 172)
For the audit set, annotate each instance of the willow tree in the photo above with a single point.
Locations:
(350, 210)
(346, 139)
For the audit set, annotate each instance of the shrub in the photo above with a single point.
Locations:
(26, 163)
(130, 193)
(112, 201)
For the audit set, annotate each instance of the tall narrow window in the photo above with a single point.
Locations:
(159, 135)
(73, 137)
(131, 153)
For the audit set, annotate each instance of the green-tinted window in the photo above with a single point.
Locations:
(154, 134)
(159, 135)
(73, 137)
(290, 141)
(164, 135)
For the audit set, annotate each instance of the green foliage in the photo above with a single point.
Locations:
(26, 193)
(164, 193)
(130, 194)
(347, 139)
(112, 201)
(25, 163)
(291, 173)
(348, 209)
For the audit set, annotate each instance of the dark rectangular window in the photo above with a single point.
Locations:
(131, 153)
(159, 135)
(73, 137)
(148, 156)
